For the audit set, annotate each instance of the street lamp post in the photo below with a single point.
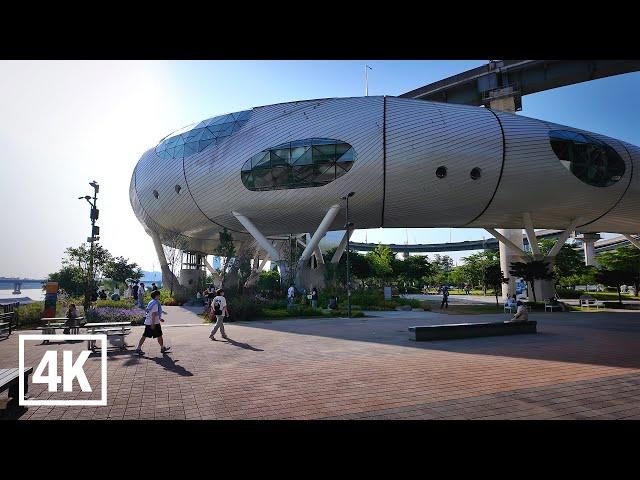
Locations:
(95, 231)
(348, 226)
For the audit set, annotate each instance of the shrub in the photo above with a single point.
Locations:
(243, 308)
(30, 314)
(122, 303)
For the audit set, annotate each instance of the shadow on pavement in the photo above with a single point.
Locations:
(170, 364)
(606, 338)
(246, 346)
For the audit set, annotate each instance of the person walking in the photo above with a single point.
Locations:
(314, 297)
(445, 298)
(141, 291)
(154, 287)
(134, 293)
(152, 328)
(219, 307)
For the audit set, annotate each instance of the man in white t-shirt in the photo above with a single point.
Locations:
(219, 306)
(152, 327)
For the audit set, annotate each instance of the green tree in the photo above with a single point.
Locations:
(269, 281)
(493, 276)
(81, 255)
(119, 270)
(474, 267)
(624, 259)
(614, 278)
(72, 278)
(336, 274)
(441, 266)
(530, 272)
(568, 263)
(412, 269)
(381, 258)
(226, 251)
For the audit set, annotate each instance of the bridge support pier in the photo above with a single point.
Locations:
(588, 243)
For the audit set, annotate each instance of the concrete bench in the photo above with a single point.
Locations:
(470, 330)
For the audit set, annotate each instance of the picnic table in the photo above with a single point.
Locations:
(52, 324)
(9, 379)
(120, 329)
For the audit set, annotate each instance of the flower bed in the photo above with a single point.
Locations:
(112, 314)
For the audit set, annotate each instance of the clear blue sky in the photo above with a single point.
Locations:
(65, 123)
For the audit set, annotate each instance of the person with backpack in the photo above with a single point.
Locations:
(152, 327)
(219, 309)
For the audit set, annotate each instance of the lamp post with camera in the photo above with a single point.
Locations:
(348, 227)
(95, 232)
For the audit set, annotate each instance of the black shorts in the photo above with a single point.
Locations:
(152, 331)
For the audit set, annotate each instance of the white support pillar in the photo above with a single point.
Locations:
(255, 274)
(260, 238)
(531, 234)
(320, 232)
(511, 250)
(563, 238)
(168, 276)
(317, 252)
(342, 246)
(634, 241)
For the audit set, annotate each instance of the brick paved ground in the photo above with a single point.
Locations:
(580, 365)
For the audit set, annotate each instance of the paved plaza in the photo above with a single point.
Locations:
(579, 366)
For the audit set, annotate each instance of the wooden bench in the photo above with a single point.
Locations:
(471, 330)
(9, 379)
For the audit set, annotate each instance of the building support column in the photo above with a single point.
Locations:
(511, 250)
(342, 246)
(320, 232)
(307, 277)
(634, 241)
(266, 245)
(168, 277)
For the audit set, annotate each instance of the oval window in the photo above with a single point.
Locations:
(312, 162)
(441, 172)
(591, 160)
(207, 133)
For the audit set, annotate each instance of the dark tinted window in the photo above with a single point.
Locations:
(591, 160)
(303, 163)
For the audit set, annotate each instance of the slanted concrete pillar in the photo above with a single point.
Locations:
(508, 255)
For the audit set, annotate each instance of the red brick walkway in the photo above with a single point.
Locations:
(580, 365)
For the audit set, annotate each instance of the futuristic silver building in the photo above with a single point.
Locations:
(281, 169)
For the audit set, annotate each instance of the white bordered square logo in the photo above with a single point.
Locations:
(72, 370)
